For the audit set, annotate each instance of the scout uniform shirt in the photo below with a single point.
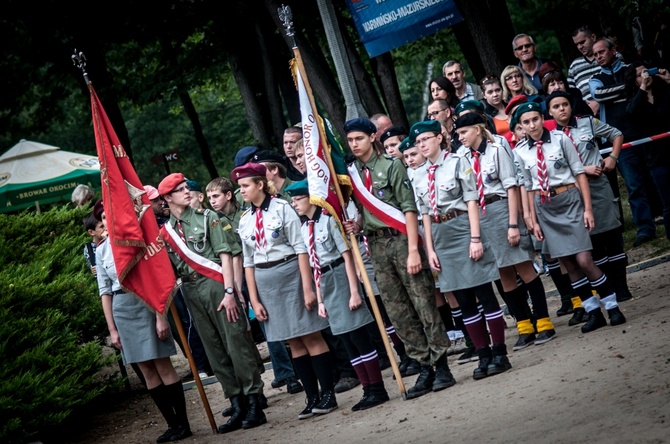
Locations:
(328, 240)
(584, 132)
(560, 156)
(204, 235)
(497, 166)
(454, 184)
(389, 184)
(282, 232)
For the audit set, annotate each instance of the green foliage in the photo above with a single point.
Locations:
(51, 323)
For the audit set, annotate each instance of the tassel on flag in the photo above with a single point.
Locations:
(142, 263)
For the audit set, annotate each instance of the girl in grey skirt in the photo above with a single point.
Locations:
(337, 293)
(279, 280)
(456, 247)
(561, 213)
(143, 338)
(499, 199)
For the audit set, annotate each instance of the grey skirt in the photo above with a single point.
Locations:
(137, 330)
(605, 208)
(280, 292)
(335, 294)
(494, 225)
(451, 241)
(562, 221)
(370, 270)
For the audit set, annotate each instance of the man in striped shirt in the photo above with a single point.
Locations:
(584, 67)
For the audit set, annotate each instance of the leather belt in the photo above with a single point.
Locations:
(448, 216)
(191, 277)
(332, 265)
(383, 232)
(556, 191)
(274, 263)
(115, 292)
(494, 198)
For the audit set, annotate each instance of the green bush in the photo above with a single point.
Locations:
(52, 328)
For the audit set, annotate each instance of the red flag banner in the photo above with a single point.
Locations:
(142, 263)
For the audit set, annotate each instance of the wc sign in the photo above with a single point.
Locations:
(170, 156)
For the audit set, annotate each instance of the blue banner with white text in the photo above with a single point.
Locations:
(387, 24)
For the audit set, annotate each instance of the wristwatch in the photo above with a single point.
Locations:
(230, 290)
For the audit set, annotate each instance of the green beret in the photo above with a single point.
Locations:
(469, 105)
(299, 188)
(525, 108)
(424, 127)
(405, 145)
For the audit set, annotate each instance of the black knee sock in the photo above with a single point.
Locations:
(538, 297)
(457, 314)
(176, 392)
(161, 396)
(321, 365)
(303, 366)
(445, 314)
(561, 281)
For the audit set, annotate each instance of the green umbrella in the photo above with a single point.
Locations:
(34, 174)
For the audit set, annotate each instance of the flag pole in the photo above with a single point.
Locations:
(286, 17)
(79, 60)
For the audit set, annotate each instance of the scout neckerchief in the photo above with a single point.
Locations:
(387, 214)
(566, 130)
(313, 257)
(432, 195)
(542, 176)
(476, 166)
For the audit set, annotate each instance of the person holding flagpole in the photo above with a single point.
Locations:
(143, 337)
(201, 251)
(279, 281)
(338, 296)
(388, 217)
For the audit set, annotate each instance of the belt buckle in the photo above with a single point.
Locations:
(194, 276)
(444, 217)
(380, 232)
(552, 192)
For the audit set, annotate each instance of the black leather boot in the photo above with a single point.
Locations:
(616, 317)
(443, 377)
(376, 395)
(366, 393)
(255, 415)
(236, 417)
(424, 383)
(499, 362)
(482, 369)
(578, 316)
(595, 320)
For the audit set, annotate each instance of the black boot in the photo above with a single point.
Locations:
(566, 308)
(255, 415)
(327, 404)
(366, 393)
(311, 401)
(482, 369)
(424, 383)
(595, 320)
(376, 395)
(499, 362)
(579, 316)
(237, 416)
(616, 317)
(443, 377)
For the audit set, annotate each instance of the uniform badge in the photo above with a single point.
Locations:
(227, 227)
(380, 193)
(406, 184)
(380, 174)
(215, 223)
(275, 235)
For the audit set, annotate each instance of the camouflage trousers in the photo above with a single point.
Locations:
(409, 299)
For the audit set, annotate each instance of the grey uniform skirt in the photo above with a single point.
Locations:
(451, 241)
(562, 221)
(369, 269)
(137, 330)
(494, 225)
(335, 294)
(605, 208)
(280, 292)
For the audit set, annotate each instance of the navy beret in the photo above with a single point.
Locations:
(394, 130)
(268, 156)
(360, 124)
(557, 93)
(244, 154)
(469, 119)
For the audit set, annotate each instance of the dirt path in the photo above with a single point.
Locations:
(612, 385)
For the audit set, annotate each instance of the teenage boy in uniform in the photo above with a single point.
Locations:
(201, 252)
(388, 217)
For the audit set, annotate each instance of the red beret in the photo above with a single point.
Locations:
(170, 183)
(98, 210)
(248, 170)
(515, 101)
